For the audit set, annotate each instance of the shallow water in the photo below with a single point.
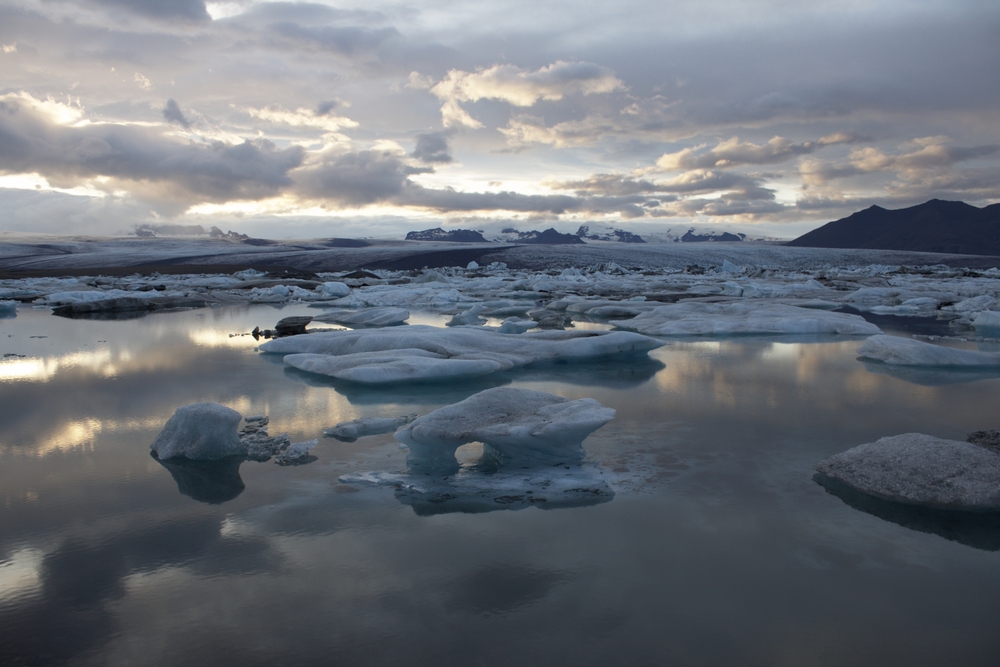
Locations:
(717, 547)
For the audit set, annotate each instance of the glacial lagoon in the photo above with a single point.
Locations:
(712, 544)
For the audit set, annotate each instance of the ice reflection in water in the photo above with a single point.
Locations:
(719, 548)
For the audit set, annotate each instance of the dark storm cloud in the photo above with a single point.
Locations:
(173, 114)
(432, 147)
(188, 10)
(169, 170)
(356, 179)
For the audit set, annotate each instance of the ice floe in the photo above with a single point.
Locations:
(379, 356)
(200, 431)
(742, 317)
(900, 351)
(920, 469)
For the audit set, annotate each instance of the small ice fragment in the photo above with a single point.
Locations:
(471, 266)
(254, 418)
(334, 289)
(297, 453)
(201, 432)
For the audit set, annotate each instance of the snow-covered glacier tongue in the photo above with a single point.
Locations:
(532, 454)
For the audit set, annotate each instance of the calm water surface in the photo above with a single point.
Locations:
(717, 548)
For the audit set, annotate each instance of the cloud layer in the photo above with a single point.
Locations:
(711, 111)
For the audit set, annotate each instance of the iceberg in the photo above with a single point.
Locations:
(420, 353)
(8, 309)
(900, 351)
(334, 289)
(365, 317)
(740, 317)
(919, 469)
(518, 427)
(200, 432)
(359, 428)
(532, 455)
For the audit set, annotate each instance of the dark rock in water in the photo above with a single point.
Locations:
(361, 274)
(259, 242)
(694, 270)
(212, 482)
(292, 326)
(988, 439)
(451, 236)
(934, 226)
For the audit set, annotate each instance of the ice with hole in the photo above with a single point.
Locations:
(920, 469)
(200, 432)
(365, 317)
(900, 351)
(744, 317)
(422, 353)
(532, 455)
(518, 427)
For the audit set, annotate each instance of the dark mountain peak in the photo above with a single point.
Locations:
(935, 226)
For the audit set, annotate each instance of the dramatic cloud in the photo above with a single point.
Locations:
(733, 153)
(38, 137)
(737, 111)
(519, 87)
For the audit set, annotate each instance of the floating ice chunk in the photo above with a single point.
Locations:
(422, 352)
(470, 316)
(909, 352)
(515, 325)
(297, 453)
(431, 277)
(366, 317)
(921, 469)
(472, 266)
(8, 309)
(517, 426)
(917, 306)
(405, 365)
(334, 289)
(987, 319)
(200, 432)
(744, 317)
(359, 428)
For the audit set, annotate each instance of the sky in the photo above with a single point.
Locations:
(369, 119)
